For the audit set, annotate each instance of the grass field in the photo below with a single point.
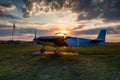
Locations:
(93, 63)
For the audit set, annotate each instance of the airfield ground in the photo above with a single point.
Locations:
(92, 63)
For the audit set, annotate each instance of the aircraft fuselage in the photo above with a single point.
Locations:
(67, 41)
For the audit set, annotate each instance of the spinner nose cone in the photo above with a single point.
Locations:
(35, 41)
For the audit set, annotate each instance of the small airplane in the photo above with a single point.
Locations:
(58, 41)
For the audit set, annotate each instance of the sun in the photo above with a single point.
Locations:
(62, 32)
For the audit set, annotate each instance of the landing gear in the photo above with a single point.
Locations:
(42, 50)
(57, 50)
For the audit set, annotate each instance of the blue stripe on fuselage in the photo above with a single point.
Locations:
(73, 41)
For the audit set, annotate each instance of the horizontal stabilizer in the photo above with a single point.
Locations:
(97, 40)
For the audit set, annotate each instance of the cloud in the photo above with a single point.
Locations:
(6, 30)
(6, 7)
(79, 27)
(86, 9)
(112, 15)
(110, 31)
(2, 26)
(31, 31)
(107, 9)
(8, 16)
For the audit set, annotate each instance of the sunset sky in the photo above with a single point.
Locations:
(81, 18)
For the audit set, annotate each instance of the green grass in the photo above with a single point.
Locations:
(107, 49)
(92, 63)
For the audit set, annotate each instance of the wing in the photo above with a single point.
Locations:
(51, 40)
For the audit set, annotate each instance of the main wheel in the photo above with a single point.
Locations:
(56, 51)
(42, 50)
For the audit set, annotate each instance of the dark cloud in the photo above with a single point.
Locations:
(6, 6)
(113, 30)
(44, 5)
(6, 30)
(4, 26)
(31, 31)
(112, 15)
(86, 9)
(107, 9)
(110, 30)
(8, 16)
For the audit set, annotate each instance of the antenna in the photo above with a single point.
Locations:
(13, 31)
(35, 32)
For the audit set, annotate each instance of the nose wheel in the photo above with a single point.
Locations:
(42, 50)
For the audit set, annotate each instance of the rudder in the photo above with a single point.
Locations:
(102, 35)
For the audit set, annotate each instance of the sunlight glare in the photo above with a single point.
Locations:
(62, 32)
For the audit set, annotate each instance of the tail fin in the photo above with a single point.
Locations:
(102, 35)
